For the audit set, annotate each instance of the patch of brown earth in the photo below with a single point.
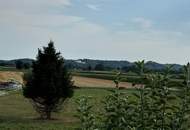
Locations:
(99, 83)
(8, 75)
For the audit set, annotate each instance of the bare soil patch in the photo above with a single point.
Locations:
(98, 83)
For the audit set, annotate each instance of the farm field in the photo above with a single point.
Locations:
(8, 75)
(85, 78)
(97, 83)
(4, 68)
(110, 75)
(79, 81)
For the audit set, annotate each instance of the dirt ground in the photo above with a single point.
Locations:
(99, 83)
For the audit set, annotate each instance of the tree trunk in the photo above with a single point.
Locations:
(48, 115)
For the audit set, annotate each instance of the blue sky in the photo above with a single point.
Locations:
(131, 30)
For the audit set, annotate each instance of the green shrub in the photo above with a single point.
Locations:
(117, 112)
(85, 115)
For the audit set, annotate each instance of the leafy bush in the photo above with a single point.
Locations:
(117, 111)
(85, 114)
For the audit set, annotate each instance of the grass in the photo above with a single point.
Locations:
(16, 112)
(4, 68)
(106, 75)
(13, 69)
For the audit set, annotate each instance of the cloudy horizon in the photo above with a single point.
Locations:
(102, 29)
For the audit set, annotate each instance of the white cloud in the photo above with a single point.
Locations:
(78, 38)
(87, 40)
(34, 20)
(34, 13)
(35, 2)
(93, 7)
(144, 23)
(32, 6)
(25, 26)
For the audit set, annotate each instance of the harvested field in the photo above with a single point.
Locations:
(78, 81)
(8, 75)
(97, 83)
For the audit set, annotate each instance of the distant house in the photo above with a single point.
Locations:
(10, 85)
(80, 61)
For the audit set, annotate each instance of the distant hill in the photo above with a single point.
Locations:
(157, 66)
(108, 64)
(12, 62)
(111, 64)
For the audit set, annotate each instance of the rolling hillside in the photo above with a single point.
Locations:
(108, 64)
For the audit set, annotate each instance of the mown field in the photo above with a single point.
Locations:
(16, 112)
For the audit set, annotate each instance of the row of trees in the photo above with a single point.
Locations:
(20, 65)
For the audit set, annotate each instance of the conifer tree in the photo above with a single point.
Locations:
(50, 84)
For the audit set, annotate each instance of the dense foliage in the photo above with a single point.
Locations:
(85, 114)
(22, 65)
(156, 105)
(50, 83)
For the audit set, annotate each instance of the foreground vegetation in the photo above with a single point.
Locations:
(155, 105)
(16, 112)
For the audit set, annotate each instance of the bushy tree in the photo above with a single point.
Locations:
(142, 104)
(99, 67)
(50, 84)
(19, 64)
(117, 112)
(89, 68)
(26, 65)
(181, 118)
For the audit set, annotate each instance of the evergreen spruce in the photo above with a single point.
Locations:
(50, 84)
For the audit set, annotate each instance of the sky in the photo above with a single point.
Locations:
(156, 30)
